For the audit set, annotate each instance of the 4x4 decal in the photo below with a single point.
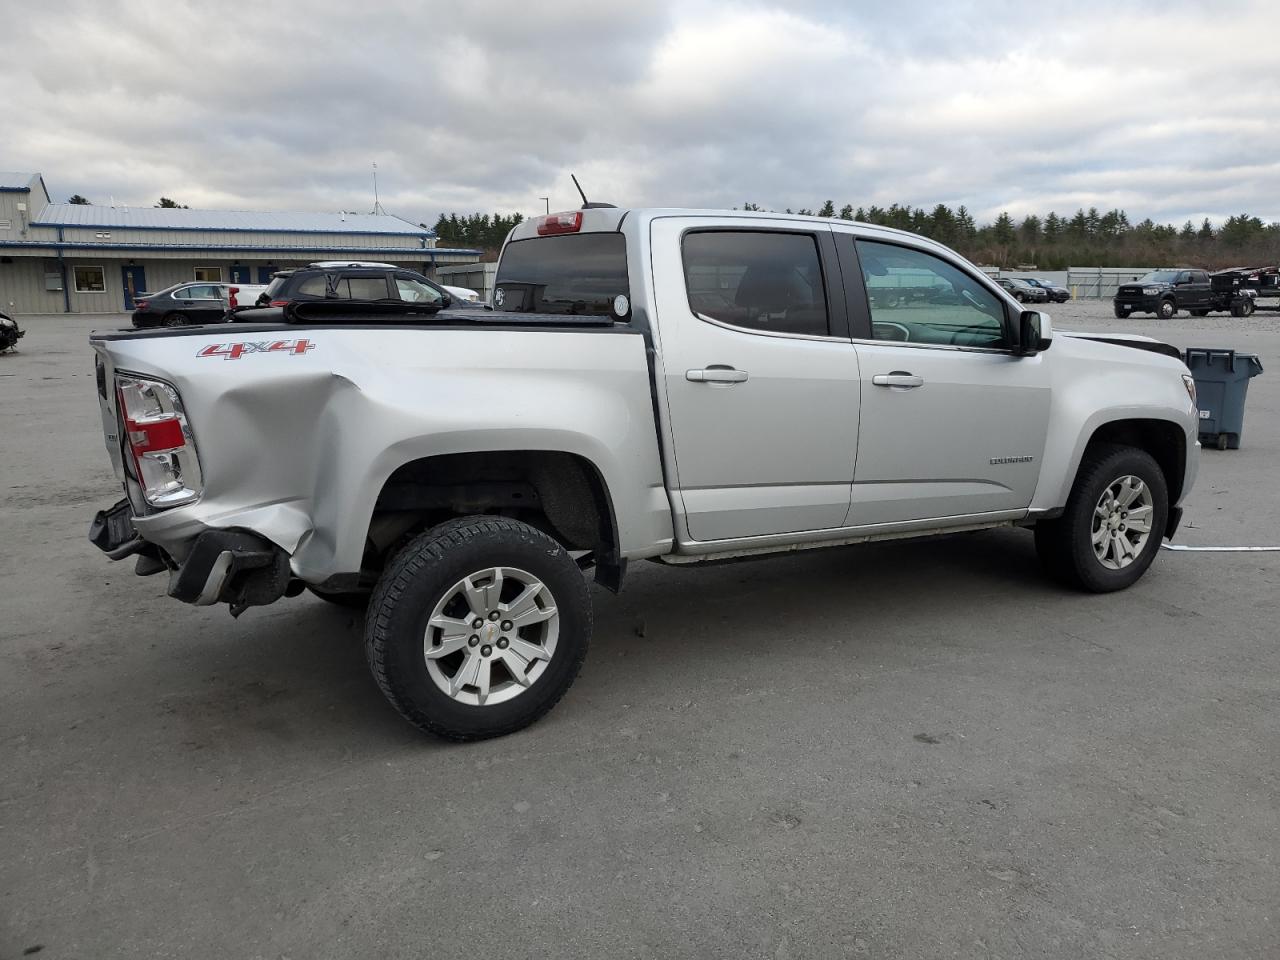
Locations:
(234, 351)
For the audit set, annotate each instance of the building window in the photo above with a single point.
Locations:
(90, 280)
(209, 274)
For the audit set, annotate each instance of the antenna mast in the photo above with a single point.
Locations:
(377, 207)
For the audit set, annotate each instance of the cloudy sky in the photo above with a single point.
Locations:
(1169, 110)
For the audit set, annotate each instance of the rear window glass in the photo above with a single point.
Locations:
(757, 280)
(579, 274)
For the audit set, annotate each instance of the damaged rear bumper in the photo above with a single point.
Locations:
(221, 566)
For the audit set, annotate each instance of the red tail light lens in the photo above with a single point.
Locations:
(231, 297)
(279, 303)
(555, 223)
(140, 304)
(159, 441)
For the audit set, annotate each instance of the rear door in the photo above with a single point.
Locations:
(953, 423)
(761, 377)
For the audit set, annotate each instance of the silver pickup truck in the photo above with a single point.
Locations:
(670, 385)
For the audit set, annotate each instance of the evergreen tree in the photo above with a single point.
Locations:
(846, 212)
(828, 209)
(78, 200)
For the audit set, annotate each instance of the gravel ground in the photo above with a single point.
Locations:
(900, 750)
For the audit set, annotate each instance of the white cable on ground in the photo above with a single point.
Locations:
(1179, 546)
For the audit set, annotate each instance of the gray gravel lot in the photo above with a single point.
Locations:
(903, 750)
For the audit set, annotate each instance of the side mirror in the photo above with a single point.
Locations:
(1035, 333)
(446, 301)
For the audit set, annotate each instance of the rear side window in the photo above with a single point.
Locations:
(312, 287)
(758, 280)
(362, 288)
(579, 274)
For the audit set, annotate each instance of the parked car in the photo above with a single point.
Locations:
(1056, 293)
(10, 333)
(1022, 291)
(460, 295)
(352, 283)
(673, 386)
(1165, 292)
(180, 305)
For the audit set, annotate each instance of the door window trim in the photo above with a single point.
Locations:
(828, 265)
(860, 301)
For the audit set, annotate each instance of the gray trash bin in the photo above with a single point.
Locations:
(1222, 382)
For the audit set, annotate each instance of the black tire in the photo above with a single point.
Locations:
(1166, 310)
(422, 574)
(1120, 312)
(352, 601)
(174, 320)
(1065, 545)
(1247, 307)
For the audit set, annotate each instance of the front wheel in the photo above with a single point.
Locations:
(1113, 523)
(478, 627)
(1166, 310)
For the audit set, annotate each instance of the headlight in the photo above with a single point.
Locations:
(1150, 291)
(1190, 383)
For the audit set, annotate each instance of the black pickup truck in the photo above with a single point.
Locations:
(1165, 292)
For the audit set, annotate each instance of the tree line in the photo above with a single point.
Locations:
(1055, 242)
(478, 230)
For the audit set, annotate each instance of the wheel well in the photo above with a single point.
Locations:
(561, 494)
(1165, 442)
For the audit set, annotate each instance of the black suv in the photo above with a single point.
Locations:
(365, 283)
(1164, 293)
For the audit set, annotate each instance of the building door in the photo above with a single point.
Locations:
(264, 274)
(134, 281)
(239, 274)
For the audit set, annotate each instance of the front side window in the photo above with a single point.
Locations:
(415, 291)
(916, 297)
(209, 274)
(90, 280)
(759, 280)
(582, 274)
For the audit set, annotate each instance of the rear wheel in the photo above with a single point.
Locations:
(174, 320)
(478, 627)
(1166, 310)
(1242, 308)
(1113, 523)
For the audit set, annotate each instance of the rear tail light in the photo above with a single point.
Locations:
(279, 303)
(159, 441)
(140, 304)
(231, 297)
(554, 223)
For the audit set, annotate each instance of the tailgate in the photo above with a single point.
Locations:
(104, 376)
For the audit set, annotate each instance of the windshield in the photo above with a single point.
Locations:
(1160, 276)
(578, 274)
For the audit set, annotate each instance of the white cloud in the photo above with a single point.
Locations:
(490, 105)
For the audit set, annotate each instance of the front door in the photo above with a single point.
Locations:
(953, 423)
(134, 282)
(762, 390)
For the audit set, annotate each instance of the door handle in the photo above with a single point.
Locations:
(899, 378)
(716, 375)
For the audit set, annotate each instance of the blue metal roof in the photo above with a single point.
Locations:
(168, 218)
(14, 181)
(143, 250)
